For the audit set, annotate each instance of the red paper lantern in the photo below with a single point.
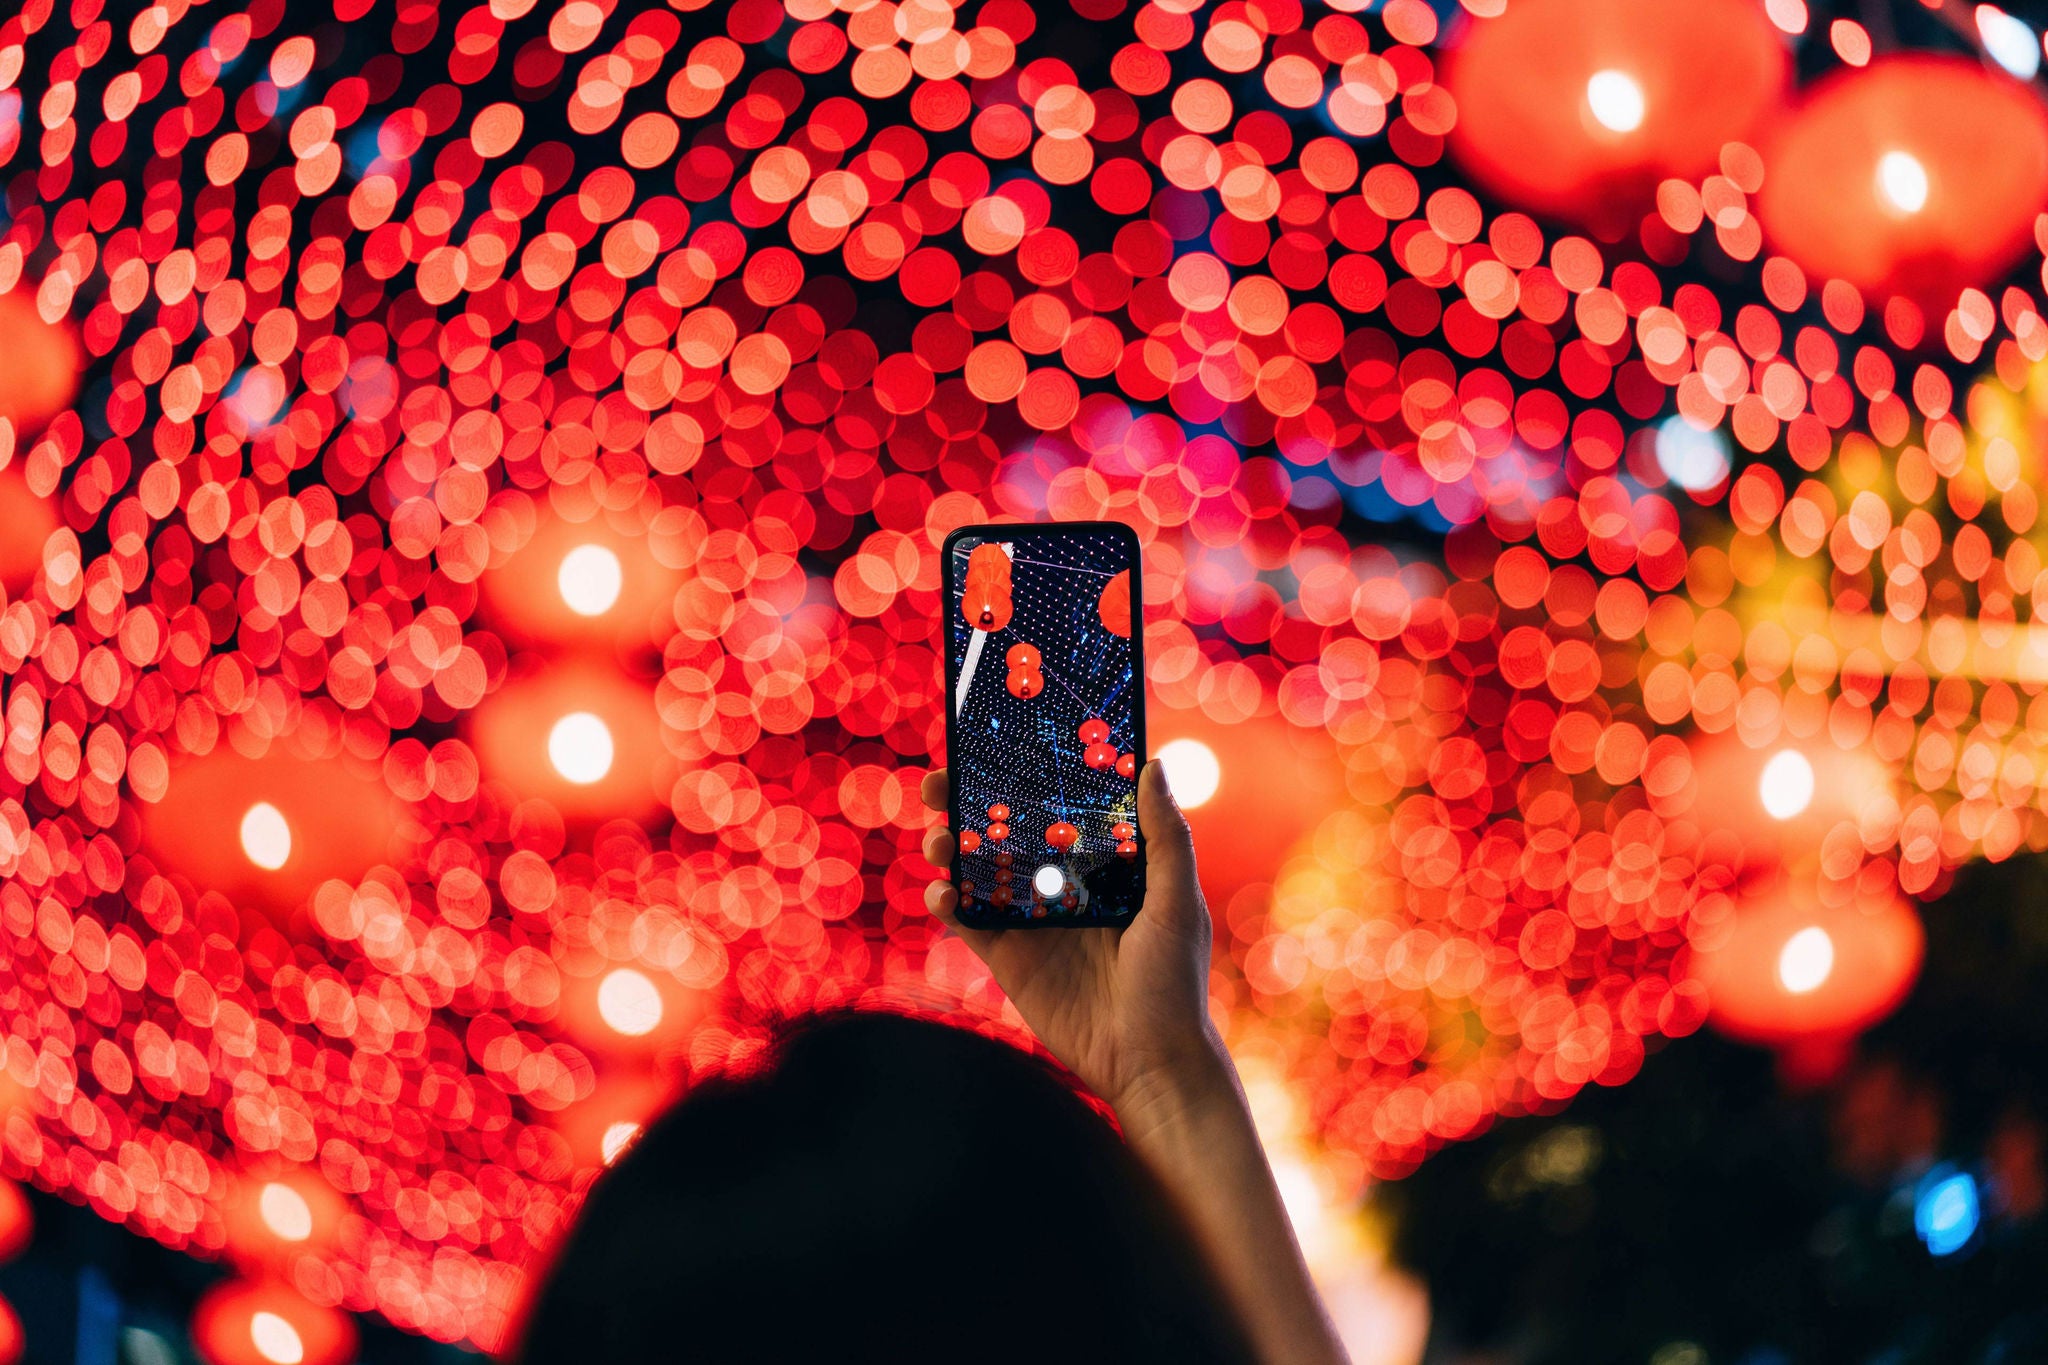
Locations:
(276, 1213)
(580, 735)
(243, 1322)
(13, 1344)
(1783, 800)
(1918, 175)
(1099, 756)
(1062, 835)
(41, 374)
(1792, 972)
(1273, 783)
(26, 522)
(582, 581)
(267, 831)
(1580, 107)
(985, 593)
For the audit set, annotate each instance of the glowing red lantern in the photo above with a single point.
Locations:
(1099, 756)
(41, 374)
(274, 1214)
(1062, 835)
(1127, 765)
(625, 1010)
(580, 735)
(1026, 683)
(985, 594)
(17, 1220)
(267, 831)
(1917, 175)
(13, 1344)
(998, 811)
(243, 1322)
(1115, 605)
(997, 832)
(1794, 973)
(1580, 107)
(26, 522)
(1094, 730)
(577, 581)
(1784, 799)
(1023, 656)
(600, 1128)
(1250, 789)
(970, 840)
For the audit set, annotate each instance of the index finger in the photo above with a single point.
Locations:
(935, 788)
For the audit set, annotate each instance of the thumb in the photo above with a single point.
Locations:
(1169, 845)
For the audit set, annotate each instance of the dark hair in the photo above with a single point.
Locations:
(883, 1188)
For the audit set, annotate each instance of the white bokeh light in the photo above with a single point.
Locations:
(266, 836)
(275, 1339)
(1806, 960)
(617, 1138)
(1695, 460)
(590, 579)
(2011, 43)
(629, 1003)
(1902, 180)
(580, 747)
(1192, 771)
(1786, 784)
(1617, 100)
(285, 1212)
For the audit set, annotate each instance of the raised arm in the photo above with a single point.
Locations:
(1127, 1010)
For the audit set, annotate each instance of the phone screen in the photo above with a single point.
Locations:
(1046, 724)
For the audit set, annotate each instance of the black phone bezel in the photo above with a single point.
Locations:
(1024, 530)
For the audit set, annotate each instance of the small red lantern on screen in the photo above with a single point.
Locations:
(267, 831)
(1917, 175)
(985, 593)
(26, 522)
(1115, 606)
(1023, 656)
(1806, 977)
(580, 735)
(1579, 108)
(245, 1322)
(1061, 834)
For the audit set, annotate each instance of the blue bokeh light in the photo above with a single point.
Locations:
(1946, 1211)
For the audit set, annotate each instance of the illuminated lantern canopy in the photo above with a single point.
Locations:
(575, 582)
(581, 736)
(242, 1322)
(1579, 108)
(41, 373)
(267, 831)
(1915, 176)
(26, 522)
(1795, 974)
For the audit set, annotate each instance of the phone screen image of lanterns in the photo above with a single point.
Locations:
(1044, 761)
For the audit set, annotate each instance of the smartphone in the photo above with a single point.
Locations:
(1045, 722)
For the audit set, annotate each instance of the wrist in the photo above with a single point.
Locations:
(1166, 1100)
